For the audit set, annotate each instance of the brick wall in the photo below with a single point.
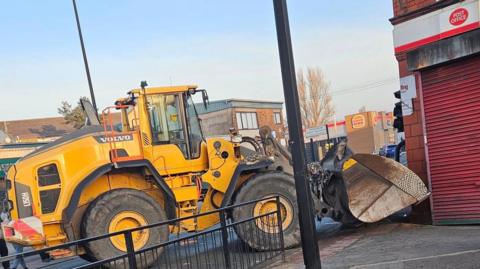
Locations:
(402, 7)
(415, 148)
(414, 144)
(264, 117)
(413, 124)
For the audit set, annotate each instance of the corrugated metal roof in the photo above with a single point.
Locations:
(236, 103)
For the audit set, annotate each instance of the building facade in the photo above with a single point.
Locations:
(369, 131)
(247, 116)
(437, 45)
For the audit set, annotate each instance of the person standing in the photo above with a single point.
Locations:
(3, 244)
(19, 260)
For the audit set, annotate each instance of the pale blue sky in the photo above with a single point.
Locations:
(227, 47)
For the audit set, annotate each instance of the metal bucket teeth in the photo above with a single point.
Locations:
(378, 187)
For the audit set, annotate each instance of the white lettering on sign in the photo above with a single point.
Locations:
(26, 199)
(458, 16)
(434, 26)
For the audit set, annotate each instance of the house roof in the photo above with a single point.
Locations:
(36, 128)
(236, 103)
(33, 130)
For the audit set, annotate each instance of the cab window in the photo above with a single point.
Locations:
(195, 130)
(48, 175)
(166, 121)
(129, 119)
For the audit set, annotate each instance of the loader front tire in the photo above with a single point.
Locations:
(259, 234)
(123, 209)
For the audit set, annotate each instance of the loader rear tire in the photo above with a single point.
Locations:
(257, 233)
(122, 209)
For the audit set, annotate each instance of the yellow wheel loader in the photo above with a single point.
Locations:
(152, 167)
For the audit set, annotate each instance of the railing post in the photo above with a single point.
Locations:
(280, 227)
(226, 251)
(132, 261)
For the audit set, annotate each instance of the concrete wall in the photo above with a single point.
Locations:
(217, 123)
(444, 50)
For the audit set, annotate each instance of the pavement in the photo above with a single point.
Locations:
(394, 246)
(242, 256)
(36, 262)
(375, 246)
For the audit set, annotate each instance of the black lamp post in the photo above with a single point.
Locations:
(311, 255)
(85, 61)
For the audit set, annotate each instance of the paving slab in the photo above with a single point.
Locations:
(395, 246)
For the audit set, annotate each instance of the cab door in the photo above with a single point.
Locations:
(172, 149)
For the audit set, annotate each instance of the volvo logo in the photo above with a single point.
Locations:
(116, 138)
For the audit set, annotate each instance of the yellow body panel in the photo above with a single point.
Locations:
(163, 90)
(220, 170)
(78, 157)
(169, 160)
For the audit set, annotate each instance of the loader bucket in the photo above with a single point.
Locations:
(377, 187)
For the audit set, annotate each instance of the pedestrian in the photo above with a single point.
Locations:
(3, 244)
(45, 257)
(19, 259)
(4, 252)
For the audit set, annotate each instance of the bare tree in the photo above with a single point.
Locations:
(314, 95)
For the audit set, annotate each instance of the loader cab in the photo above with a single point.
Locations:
(173, 120)
(169, 125)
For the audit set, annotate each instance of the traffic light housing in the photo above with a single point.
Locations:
(397, 113)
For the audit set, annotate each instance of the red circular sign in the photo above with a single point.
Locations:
(458, 16)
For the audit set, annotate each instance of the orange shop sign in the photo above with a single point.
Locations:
(358, 121)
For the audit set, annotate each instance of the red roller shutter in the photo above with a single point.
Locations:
(451, 98)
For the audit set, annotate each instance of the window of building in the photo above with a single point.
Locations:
(247, 120)
(277, 118)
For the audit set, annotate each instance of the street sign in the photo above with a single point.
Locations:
(408, 91)
(316, 131)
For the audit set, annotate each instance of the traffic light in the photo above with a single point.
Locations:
(397, 113)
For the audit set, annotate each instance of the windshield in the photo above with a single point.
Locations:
(195, 130)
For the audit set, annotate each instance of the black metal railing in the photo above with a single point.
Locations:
(217, 247)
